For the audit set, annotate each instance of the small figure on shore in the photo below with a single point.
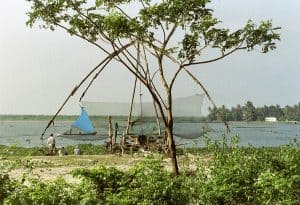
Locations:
(77, 151)
(62, 152)
(51, 144)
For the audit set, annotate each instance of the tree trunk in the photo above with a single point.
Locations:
(171, 143)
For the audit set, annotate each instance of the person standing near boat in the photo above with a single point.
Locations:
(51, 144)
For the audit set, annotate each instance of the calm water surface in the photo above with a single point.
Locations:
(27, 133)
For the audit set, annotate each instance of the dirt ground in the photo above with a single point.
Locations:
(48, 168)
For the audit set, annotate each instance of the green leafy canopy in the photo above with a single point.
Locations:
(152, 23)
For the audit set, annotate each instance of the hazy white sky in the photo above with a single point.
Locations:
(38, 68)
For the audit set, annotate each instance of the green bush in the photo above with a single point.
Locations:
(7, 186)
(249, 176)
(145, 183)
(280, 183)
(48, 193)
(13, 151)
(22, 151)
(88, 149)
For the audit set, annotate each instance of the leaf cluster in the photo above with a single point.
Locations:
(89, 22)
(108, 20)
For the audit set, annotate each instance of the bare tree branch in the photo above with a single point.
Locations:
(80, 36)
(207, 94)
(130, 62)
(123, 12)
(164, 32)
(146, 63)
(150, 89)
(175, 75)
(139, 64)
(169, 36)
(215, 59)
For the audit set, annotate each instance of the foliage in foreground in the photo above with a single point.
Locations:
(232, 176)
(13, 151)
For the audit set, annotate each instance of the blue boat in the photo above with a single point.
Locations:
(81, 129)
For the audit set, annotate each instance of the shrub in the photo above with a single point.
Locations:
(56, 192)
(7, 186)
(145, 183)
(249, 176)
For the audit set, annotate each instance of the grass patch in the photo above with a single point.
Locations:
(86, 149)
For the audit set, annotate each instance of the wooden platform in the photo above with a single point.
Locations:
(130, 143)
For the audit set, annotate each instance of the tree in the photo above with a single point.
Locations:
(237, 113)
(260, 114)
(224, 114)
(275, 111)
(212, 114)
(131, 39)
(249, 113)
(292, 112)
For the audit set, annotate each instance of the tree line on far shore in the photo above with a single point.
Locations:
(248, 112)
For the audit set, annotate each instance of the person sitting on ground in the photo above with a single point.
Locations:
(77, 151)
(62, 152)
(51, 144)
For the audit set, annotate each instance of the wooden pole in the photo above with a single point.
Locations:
(133, 92)
(110, 133)
(131, 106)
(115, 133)
(157, 118)
(110, 56)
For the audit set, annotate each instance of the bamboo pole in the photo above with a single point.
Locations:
(110, 133)
(133, 92)
(157, 118)
(93, 79)
(115, 133)
(110, 56)
(131, 106)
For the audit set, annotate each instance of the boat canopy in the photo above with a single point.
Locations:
(83, 122)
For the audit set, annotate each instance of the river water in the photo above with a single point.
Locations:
(257, 134)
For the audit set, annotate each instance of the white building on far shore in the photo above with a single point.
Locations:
(271, 119)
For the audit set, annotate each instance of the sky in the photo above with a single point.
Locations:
(39, 68)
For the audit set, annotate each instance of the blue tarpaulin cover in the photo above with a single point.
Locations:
(83, 122)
